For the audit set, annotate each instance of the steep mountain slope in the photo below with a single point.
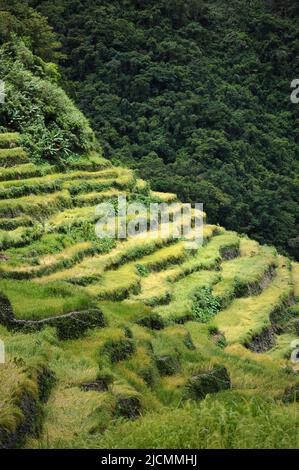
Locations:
(192, 83)
(137, 342)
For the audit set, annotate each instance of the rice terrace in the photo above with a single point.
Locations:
(131, 342)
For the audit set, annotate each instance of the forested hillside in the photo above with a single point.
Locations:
(196, 95)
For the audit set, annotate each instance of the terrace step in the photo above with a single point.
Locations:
(12, 224)
(50, 263)
(97, 197)
(180, 309)
(38, 206)
(91, 162)
(157, 287)
(9, 140)
(22, 393)
(249, 316)
(126, 280)
(246, 275)
(20, 236)
(18, 173)
(131, 249)
(52, 181)
(13, 156)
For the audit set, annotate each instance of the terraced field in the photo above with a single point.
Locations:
(139, 342)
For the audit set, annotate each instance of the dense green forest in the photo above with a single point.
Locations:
(193, 94)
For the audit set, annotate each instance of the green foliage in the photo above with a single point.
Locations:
(32, 301)
(52, 128)
(205, 305)
(142, 270)
(17, 18)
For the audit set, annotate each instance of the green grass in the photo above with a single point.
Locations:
(91, 162)
(9, 139)
(29, 179)
(48, 244)
(169, 255)
(157, 287)
(119, 283)
(181, 304)
(17, 172)
(20, 383)
(163, 197)
(38, 206)
(227, 415)
(209, 256)
(12, 156)
(94, 267)
(124, 181)
(8, 223)
(115, 285)
(30, 186)
(246, 274)
(19, 236)
(14, 384)
(231, 421)
(246, 317)
(66, 219)
(122, 313)
(72, 412)
(283, 347)
(97, 197)
(32, 301)
(51, 263)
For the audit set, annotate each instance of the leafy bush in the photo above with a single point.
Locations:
(205, 305)
(52, 128)
(142, 270)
